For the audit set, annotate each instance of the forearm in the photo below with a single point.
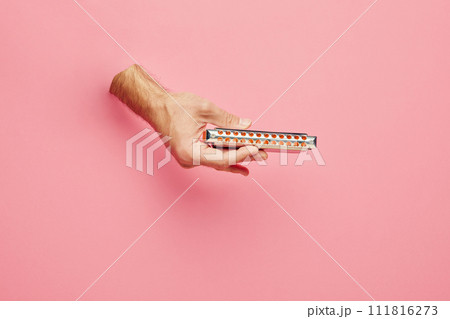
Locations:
(142, 95)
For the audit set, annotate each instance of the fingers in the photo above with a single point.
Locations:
(261, 155)
(237, 156)
(222, 118)
(218, 158)
(239, 169)
(227, 159)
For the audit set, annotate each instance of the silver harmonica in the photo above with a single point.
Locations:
(223, 137)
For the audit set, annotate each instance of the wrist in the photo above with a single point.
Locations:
(142, 95)
(159, 113)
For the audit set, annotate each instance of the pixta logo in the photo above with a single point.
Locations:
(145, 143)
(145, 153)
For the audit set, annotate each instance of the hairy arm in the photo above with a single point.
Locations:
(143, 96)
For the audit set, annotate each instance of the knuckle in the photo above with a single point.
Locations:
(229, 118)
(204, 106)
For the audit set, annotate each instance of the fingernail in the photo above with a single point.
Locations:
(264, 155)
(245, 122)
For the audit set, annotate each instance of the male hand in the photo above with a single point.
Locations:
(183, 117)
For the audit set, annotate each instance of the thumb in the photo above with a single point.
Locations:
(222, 118)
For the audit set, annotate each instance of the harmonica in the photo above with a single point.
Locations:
(222, 137)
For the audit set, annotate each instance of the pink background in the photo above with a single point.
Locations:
(378, 102)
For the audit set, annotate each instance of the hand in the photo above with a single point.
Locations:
(183, 117)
